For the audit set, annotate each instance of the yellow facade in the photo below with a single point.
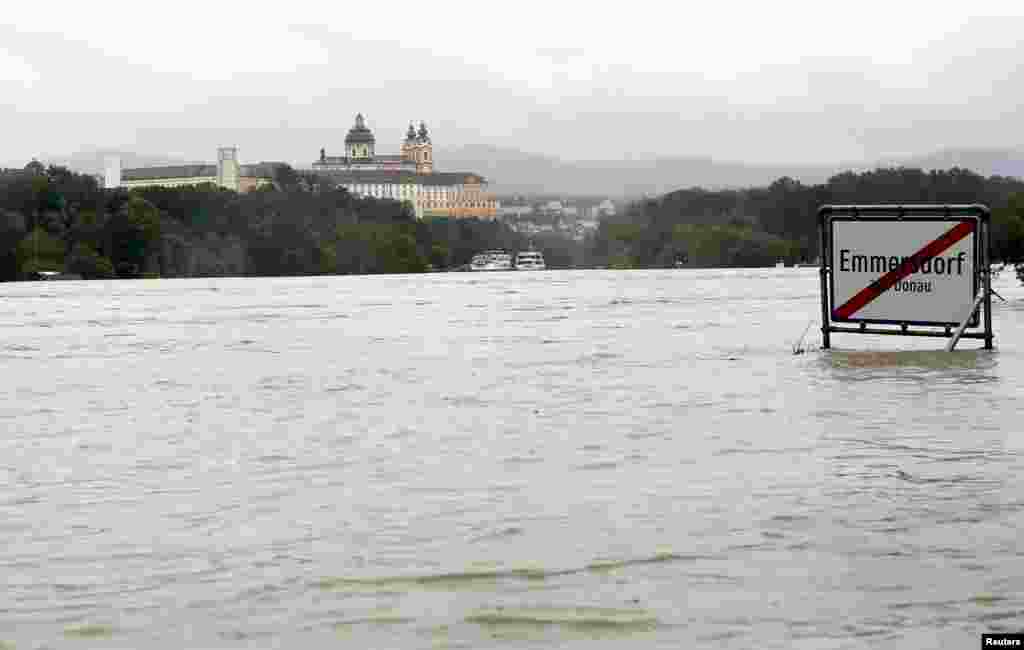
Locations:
(249, 183)
(245, 183)
(467, 200)
(408, 176)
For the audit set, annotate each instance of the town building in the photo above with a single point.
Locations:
(408, 176)
(227, 173)
(515, 210)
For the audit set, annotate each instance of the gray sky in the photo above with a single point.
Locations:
(763, 82)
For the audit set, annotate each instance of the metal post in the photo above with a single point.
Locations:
(987, 280)
(964, 322)
(825, 342)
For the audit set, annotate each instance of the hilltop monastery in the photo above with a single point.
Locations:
(408, 176)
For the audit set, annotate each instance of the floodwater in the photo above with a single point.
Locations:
(509, 460)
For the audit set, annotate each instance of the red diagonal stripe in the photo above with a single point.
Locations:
(884, 283)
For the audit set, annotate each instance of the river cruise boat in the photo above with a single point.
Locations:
(478, 263)
(491, 261)
(54, 275)
(530, 260)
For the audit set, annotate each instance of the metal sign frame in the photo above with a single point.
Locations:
(975, 280)
(828, 214)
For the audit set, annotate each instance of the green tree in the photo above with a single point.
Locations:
(85, 261)
(134, 233)
(1008, 231)
(439, 256)
(287, 178)
(327, 255)
(40, 251)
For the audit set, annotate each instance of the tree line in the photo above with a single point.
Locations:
(760, 226)
(52, 219)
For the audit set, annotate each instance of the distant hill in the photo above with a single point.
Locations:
(987, 162)
(515, 172)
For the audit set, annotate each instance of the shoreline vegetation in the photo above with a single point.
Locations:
(57, 221)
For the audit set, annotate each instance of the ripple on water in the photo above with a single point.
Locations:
(522, 460)
(501, 533)
(579, 618)
(598, 465)
(90, 632)
(376, 621)
(492, 576)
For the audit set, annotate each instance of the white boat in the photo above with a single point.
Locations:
(55, 275)
(478, 263)
(499, 261)
(491, 261)
(530, 260)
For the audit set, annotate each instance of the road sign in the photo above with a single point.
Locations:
(918, 271)
(904, 265)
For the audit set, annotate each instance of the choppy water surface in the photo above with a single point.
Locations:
(556, 459)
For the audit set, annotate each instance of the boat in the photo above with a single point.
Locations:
(499, 261)
(494, 260)
(54, 276)
(478, 263)
(780, 264)
(531, 260)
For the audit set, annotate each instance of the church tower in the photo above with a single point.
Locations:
(359, 143)
(228, 169)
(424, 151)
(409, 145)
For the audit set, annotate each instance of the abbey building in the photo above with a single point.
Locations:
(408, 176)
(227, 172)
(361, 154)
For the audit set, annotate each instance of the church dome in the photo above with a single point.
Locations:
(359, 134)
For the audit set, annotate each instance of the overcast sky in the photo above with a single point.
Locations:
(765, 82)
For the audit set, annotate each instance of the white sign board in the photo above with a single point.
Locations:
(916, 270)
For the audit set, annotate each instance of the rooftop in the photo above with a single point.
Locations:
(257, 170)
(359, 132)
(377, 158)
(383, 176)
(169, 171)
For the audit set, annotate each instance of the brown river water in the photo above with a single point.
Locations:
(512, 460)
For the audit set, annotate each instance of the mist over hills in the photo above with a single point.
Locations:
(90, 161)
(987, 162)
(516, 172)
